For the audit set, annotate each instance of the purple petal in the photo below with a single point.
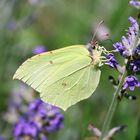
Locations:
(135, 4)
(125, 86)
(39, 49)
(138, 84)
(131, 88)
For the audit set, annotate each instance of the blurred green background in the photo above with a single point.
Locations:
(25, 24)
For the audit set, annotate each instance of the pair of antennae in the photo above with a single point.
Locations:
(98, 27)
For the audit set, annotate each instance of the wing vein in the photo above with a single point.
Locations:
(70, 74)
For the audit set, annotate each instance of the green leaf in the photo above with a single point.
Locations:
(63, 77)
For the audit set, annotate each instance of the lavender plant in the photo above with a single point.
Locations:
(129, 49)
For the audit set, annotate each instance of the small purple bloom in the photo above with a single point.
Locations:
(136, 51)
(31, 129)
(119, 47)
(23, 128)
(135, 3)
(19, 127)
(131, 82)
(135, 65)
(39, 49)
(111, 61)
(134, 23)
(34, 106)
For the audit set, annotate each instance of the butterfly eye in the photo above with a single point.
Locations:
(94, 44)
(94, 47)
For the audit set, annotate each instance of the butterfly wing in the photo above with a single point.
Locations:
(63, 77)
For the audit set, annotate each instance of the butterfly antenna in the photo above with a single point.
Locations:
(101, 22)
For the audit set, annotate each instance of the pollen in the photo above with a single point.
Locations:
(96, 57)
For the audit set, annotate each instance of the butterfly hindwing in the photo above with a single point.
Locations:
(72, 88)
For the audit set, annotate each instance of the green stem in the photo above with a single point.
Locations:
(112, 108)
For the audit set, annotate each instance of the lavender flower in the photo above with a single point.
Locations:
(111, 61)
(40, 119)
(23, 128)
(127, 47)
(135, 3)
(136, 51)
(39, 49)
(135, 65)
(130, 82)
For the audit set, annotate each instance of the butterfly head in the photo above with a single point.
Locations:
(97, 53)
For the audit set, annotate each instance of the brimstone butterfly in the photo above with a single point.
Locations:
(65, 76)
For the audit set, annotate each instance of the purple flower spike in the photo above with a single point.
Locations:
(131, 82)
(39, 49)
(135, 3)
(128, 44)
(40, 118)
(111, 61)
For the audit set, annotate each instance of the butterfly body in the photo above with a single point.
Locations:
(63, 77)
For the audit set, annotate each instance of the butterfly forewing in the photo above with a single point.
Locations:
(63, 77)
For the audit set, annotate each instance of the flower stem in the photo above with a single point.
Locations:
(112, 108)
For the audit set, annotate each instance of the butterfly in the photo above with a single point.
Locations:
(64, 76)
